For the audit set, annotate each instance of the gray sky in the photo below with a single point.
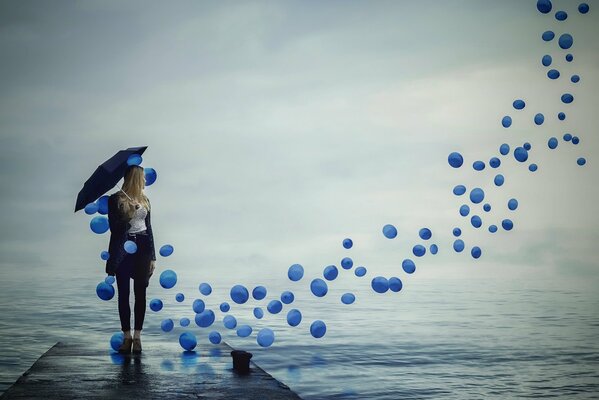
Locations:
(279, 128)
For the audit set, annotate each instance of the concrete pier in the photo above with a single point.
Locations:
(162, 371)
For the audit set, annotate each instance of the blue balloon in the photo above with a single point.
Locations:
(103, 204)
(91, 208)
(266, 337)
(561, 116)
(168, 278)
(499, 180)
(156, 305)
(244, 331)
(458, 245)
(434, 249)
(117, 340)
(134, 159)
(566, 41)
(581, 161)
(347, 263)
(575, 78)
(521, 154)
(477, 195)
(360, 271)
(494, 162)
(583, 8)
(544, 6)
(567, 98)
(487, 207)
(575, 140)
(166, 250)
(548, 36)
(205, 318)
(552, 143)
(105, 291)
(184, 322)
(478, 165)
(179, 297)
(389, 231)
(504, 149)
(493, 228)
(408, 266)
(457, 232)
(109, 279)
(224, 307)
(130, 246)
(239, 294)
(319, 287)
(567, 137)
(167, 325)
(188, 341)
(569, 57)
(259, 292)
(380, 284)
(519, 104)
(205, 289)
(476, 252)
(419, 250)
(318, 329)
(198, 306)
(229, 322)
(455, 159)
(347, 243)
(459, 190)
(506, 121)
(553, 74)
(99, 224)
(395, 284)
(348, 298)
(258, 313)
(294, 317)
(150, 176)
(296, 272)
(507, 224)
(512, 204)
(476, 221)
(546, 60)
(464, 210)
(214, 337)
(330, 273)
(539, 119)
(287, 297)
(104, 255)
(527, 146)
(425, 234)
(561, 15)
(533, 167)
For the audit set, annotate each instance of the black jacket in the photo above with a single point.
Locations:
(119, 225)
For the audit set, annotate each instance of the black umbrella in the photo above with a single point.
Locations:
(105, 176)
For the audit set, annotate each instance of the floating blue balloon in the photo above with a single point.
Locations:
(295, 272)
(499, 180)
(188, 341)
(117, 340)
(548, 36)
(224, 307)
(294, 317)
(553, 74)
(493, 228)
(527, 146)
(99, 224)
(408, 266)
(184, 322)
(168, 278)
(229, 322)
(167, 325)
(458, 245)
(455, 159)
(457, 232)
(419, 250)
(389, 231)
(348, 298)
(478, 165)
(347, 263)
(198, 306)
(521, 154)
(166, 250)
(434, 249)
(239, 294)
(319, 287)
(215, 338)
(205, 289)
(567, 137)
(91, 208)
(575, 140)
(506, 121)
(109, 279)
(561, 15)
(150, 176)
(477, 195)
(103, 205)
(459, 190)
(130, 246)
(487, 207)
(519, 104)
(533, 167)
(581, 161)
(575, 78)
(266, 337)
(464, 210)
(258, 313)
(104, 255)
(476, 252)
(205, 318)
(544, 6)
(504, 149)
(395, 284)
(476, 221)
(512, 204)
(179, 297)
(105, 291)
(566, 41)
(347, 243)
(380, 284)
(360, 271)
(244, 331)
(425, 233)
(546, 60)
(287, 297)
(552, 143)
(539, 119)
(507, 224)
(156, 305)
(561, 116)
(569, 57)
(494, 162)
(330, 272)
(583, 8)
(567, 98)
(134, 159)
(318, 329)
(259, 292)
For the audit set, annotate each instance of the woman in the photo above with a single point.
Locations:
(129, 219)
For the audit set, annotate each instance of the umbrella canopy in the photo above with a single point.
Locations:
(106, 176)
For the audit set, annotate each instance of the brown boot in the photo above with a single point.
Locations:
(126, 346)
(136, 345)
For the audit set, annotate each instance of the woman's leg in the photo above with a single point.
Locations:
(123, 284)
(139, 283)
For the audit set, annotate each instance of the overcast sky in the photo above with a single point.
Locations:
(279, 128)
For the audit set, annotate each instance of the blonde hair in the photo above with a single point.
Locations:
(133, 187)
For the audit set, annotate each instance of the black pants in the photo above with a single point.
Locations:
(134, 266)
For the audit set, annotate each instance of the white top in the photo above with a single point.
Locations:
(138, 221)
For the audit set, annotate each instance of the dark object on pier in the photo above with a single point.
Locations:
(241, 361)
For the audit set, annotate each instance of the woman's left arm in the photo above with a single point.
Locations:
(150, 233)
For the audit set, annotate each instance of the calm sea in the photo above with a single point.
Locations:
(451, 340)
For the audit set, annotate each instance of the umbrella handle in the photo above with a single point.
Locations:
(125, 193)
